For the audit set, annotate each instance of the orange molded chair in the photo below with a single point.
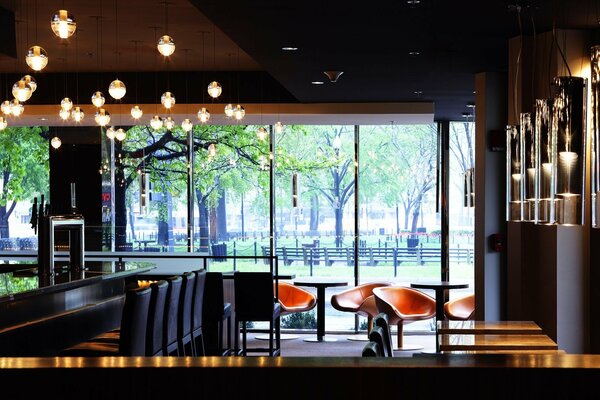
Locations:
(460, 309)
(359, 300)
(404, 305)
(293, 299)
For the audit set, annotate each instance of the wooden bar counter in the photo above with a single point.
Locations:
(488, 327)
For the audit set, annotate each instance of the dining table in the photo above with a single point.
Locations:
(440, 288)
(320, 283)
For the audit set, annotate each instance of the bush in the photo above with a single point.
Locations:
(305, 320)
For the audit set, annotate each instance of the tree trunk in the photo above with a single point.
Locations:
(243, 219)
(212, 218)
(314, 213)
(202, 222)
(4, 230)
(397, 219)
(132, 223)
(339, 231)
(222, 218)
(120, 212)
(406, 217)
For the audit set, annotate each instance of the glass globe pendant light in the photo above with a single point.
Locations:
(64, 114)
(16, 108)
(3, 123)
(169, 123)
(120, 134)
(98, 99)
(30, 80)
(36, 58)
(156, 123)
(56, 142)
(166, 45)
(229, 110)
(167, 100)
(110, 133)
(102, 117)
(239, 112)
(66, 104)
(22, 91)
(187, 125)
(214, 89)
(136, 112)
(279, 127)
(261, 133)
(203, 115)
(63, 24)
(117, 89)
(212, 150)
(5, 108)
(77, 114)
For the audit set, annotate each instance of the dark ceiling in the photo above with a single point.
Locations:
(375, 44)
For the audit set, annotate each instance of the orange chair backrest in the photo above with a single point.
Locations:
(461, 309)
(407, 301)
(293, 296)
(354, 297)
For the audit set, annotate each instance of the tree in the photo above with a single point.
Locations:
(24, 168)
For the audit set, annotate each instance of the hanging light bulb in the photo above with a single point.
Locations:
(22, 91)
(261, 133)
(203, 115)
(63, 24)
(77, 114)
(169, 123)
(117, 89)
(55, 142)
(229, 110)
(102, 117)
(156, 123)
(30, 80)
(36, 58)
(214, 89)
(98, 99)
(166, 45)
(16, 108)
(64, 114)
(212, 150)
(239, 112)
(167, 100)
(3, 123)
(6, 107)
(136, 112)
(279, 127)
(66, 104)
(120, 134)
(187, 125)
(110, 132)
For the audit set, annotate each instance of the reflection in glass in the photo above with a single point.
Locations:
(529, 165)
(545, 162)
(514, 174)
(595, 130)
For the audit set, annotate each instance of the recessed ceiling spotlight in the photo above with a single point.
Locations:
(414, 53)
(289, 48)
(317, 82)
(43, 119)
(471, 105)
(418, 92)
(413, 2)
(466, 115)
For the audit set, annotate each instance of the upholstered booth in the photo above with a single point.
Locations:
(359, 300)
(404, 305)
(462, 308)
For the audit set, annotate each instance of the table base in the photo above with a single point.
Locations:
(409, 347)
(283, 336)
(324, 339)
(359, 338)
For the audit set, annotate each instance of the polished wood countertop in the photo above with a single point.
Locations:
(488, 327)
(496, 342)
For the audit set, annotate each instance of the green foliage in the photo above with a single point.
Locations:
(304, 320)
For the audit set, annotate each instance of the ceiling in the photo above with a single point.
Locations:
(392, 52)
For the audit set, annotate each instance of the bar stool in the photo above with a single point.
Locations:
(156, 312)
(216, 313)
(197, 314)
(170, 345)
(184, 315)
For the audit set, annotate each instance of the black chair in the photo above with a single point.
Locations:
(170, 343)
(154, 336)
(215, 314)
(197, 336)
(381, 320)
(376, 335)
(132, 338)
(255, 301)
(372, 349)
(184, 315)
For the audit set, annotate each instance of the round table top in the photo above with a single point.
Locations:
(320, 281)
(439, 285)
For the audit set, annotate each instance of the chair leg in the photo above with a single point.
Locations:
(400, 334)
(271, 338)
(244, 345)
(278, 335)
(236, 339)
(228, 335)
(369, 324)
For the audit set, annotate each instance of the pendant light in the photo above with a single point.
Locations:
(156, 123)
(120, 134)
(239, 112)
(212, 150)
(56, 142)
(262, 133)
(110, 133)
(77, 114)
(117, 88)
(63, 24)
(279, 128)
(98, 99)
(22, 91)
(3, 123)
(203, 113)
(167, 100)
(36, 57)
(187, 125)
(30, 80)
(66, 104)
(102, 117)
(5, 108)
(229, 110)
(64, 114)
(166, 44)
(214, 88)
(169, 123)
(16, 108)
(136, 111)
